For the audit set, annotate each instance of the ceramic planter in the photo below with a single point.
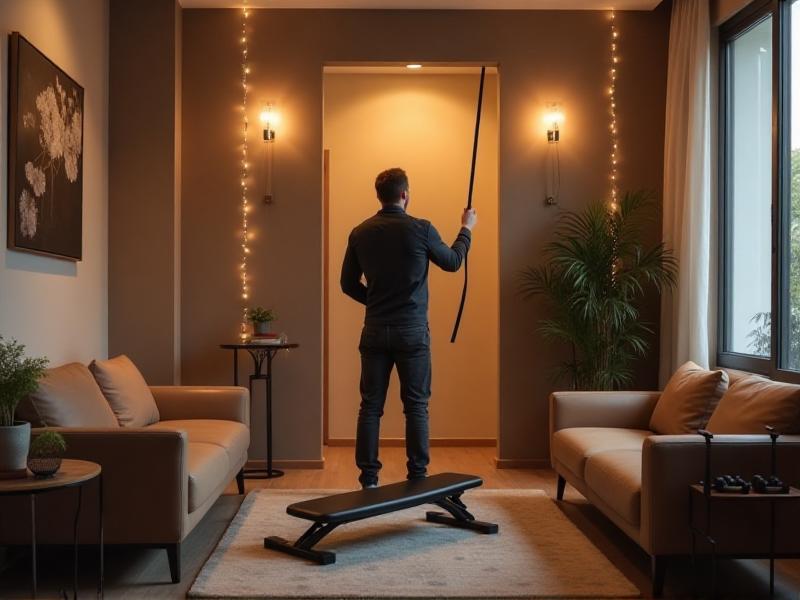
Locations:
(14, 443)
(260, 328)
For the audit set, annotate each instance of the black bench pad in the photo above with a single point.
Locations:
(363, 504)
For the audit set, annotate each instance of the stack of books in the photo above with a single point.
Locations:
(265, 338)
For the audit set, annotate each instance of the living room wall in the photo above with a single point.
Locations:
(57, 308)
(543, 56)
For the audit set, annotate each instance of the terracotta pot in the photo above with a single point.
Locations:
(14, 443)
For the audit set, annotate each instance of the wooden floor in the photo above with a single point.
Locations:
(136, 573)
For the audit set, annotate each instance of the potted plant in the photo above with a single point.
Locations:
(593, 278)
(47, 450)
(261, 319)
(19, 376)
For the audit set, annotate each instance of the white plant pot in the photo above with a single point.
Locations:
(14, 444)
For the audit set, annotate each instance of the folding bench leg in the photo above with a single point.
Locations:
(304, 546)
(461, 517)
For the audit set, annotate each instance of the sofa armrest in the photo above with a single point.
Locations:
(627, 410)
(670, 463)
(227, 403)
(145, 479)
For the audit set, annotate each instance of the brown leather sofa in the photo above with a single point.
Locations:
(158, 481)
(600, 443)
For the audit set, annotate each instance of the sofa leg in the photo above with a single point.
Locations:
(174, 557)
(658, 570)
(240, 481)
(562, 484)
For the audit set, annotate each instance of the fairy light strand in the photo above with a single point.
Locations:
(244, 177)
(612, 96)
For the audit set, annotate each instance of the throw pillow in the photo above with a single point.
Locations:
(126, 391)
(687, 402)
(753, 402)
(67, 396)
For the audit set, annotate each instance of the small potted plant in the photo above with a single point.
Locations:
(47, 450)
(261, 319)
(19, 376)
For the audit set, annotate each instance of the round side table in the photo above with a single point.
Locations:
(72, 474)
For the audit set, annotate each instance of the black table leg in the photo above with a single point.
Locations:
(75, 544)
(100, 536)
(235, 367)
(258, 374)
(33, 545)
(771, 549)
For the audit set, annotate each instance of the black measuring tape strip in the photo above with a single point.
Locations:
(469, 205)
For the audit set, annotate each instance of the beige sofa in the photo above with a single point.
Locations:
(600, 444)
(158, 480)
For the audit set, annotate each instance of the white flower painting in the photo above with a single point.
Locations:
(46, 160)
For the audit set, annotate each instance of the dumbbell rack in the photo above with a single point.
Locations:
(705, 495)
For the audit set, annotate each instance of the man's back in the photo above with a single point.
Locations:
(392, 249)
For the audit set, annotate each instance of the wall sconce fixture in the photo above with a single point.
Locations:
(269, 118)
(553, 118)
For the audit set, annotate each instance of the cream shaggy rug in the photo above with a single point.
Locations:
(538, 553)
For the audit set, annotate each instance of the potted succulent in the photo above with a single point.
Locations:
(47, 450)
(19, 376)
(261, 319)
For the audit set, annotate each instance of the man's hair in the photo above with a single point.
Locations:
(390, 184)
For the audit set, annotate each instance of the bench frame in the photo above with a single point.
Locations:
(458, 516)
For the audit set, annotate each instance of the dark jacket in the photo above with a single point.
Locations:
(392, 250)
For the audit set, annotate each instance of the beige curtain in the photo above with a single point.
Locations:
(685, 312)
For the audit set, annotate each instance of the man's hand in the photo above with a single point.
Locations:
(469, 218)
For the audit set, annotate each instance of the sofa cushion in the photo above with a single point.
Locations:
(753, 402)
(67, 396)
(574, 445)
(126, 391)
(688, 400)
(232, 436)
(616, 477)
(207, 465)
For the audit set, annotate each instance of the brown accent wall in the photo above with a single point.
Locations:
(543, 56)
(144, 190)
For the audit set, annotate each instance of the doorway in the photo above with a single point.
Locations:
(423, 120)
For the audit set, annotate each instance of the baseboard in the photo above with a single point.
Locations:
(521, 463)
(440, 442)
(286, 464)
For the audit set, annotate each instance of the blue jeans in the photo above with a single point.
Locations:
(408, 348)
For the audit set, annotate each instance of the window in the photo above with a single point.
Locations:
(759, 293)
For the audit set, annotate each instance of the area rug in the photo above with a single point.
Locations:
(538, 553)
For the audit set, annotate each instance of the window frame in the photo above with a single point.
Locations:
(748, 18)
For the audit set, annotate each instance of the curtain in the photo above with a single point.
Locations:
(685, 311)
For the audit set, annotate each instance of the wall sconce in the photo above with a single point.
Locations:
(269, 118)
(553, 118)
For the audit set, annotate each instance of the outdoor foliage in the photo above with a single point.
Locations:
(593, 277)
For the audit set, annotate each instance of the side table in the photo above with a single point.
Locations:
(259, 353)
(72, 474)
(709, 498)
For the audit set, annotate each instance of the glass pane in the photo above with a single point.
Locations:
(791, 321)
(749, 278)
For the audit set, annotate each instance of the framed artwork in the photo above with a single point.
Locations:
(45, 155)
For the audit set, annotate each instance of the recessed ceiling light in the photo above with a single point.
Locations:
(414, 66)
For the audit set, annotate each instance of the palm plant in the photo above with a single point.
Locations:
(593, 278)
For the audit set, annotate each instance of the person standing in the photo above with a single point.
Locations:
(392, 251)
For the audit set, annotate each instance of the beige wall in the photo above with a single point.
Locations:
(59, 309)
(722, 10)
(543, 56)
(144, 186)
(425, 124)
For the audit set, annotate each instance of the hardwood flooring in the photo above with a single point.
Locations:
(137, 573)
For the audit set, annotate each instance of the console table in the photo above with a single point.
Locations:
(72, 474)
(259, 354)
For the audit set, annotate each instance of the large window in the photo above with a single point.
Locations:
(759, 293)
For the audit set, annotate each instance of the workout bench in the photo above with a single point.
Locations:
(330, 512)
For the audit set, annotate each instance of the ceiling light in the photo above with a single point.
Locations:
(414, 66)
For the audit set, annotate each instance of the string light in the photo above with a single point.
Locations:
(612, 100)
(244, 178)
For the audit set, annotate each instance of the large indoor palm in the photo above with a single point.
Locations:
(593, 277)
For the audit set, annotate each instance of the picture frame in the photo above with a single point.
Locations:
(45, 155)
